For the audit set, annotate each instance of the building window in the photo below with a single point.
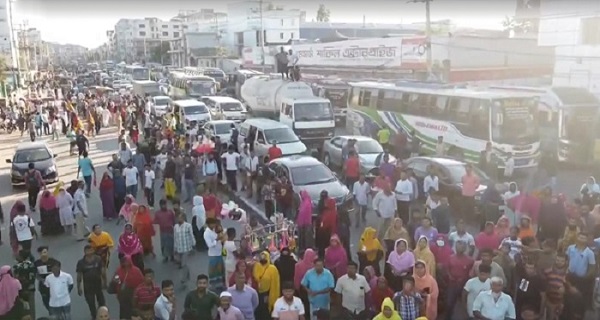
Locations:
(589, 31)
(142, 26)
(142, 33)
(165, 34)
(281, 36)
(151, 28)
(282, 22)
(165, 26)
(176, 34)
(176, 26)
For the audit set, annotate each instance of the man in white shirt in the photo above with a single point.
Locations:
(461, 234)
(214, 242)
(81, 211)
(360, 190)
(292, 61)
(431, 182)
(404, 191)
(288, 306)
(149, 178)
(131, 179)
(475, 286)
(353, 288)
(164, 307)
(509, 167)
(251, 169)
(55, 124)
(23, 227)
(60, 285)
(231, 161)
(386, 207)
(494, 304)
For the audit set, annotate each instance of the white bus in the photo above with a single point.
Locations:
(183, 86)
(467, 119)
(137, 73)
(567, 117)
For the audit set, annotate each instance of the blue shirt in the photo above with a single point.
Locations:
(317, 282)
(85, 164)
(209, 168)
(580, 261)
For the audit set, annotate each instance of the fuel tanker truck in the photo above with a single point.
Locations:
(293, 104)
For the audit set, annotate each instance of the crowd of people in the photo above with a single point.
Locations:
(532, 255)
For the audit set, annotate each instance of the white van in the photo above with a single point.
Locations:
(261, 133)
(191, 110)
(160, 105)
(225, 108)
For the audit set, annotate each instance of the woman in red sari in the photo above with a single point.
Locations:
(127, 278)
(212, 205)
(242, 267)
(142, 226)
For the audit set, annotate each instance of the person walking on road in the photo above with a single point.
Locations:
(81, 211)
(131, 178)
(34, 182)
(184, 243)
(60, 284)
(82, 142)
(91, 272)
(87, 170)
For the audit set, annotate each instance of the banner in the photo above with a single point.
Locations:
(377, 53)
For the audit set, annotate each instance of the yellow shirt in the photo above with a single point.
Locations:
(384, 135)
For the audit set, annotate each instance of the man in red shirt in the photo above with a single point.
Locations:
(459, 267)
(274, 151)
(351, 169)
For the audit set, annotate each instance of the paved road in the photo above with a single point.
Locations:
(65, 248)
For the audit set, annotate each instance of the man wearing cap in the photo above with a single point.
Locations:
(226, 310)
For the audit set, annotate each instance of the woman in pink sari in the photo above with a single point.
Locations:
(502, 228)
(301, 268)
(126, 212)
(49, 216)
(425, 283)
(336, 258)
(131, 246)
(371, 276)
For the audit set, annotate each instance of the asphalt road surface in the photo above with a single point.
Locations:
(65, 248)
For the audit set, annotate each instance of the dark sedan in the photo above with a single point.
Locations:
(449, 172)
(37, 153)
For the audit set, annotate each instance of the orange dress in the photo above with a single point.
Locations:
(142, 225)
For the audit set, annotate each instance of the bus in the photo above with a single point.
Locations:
(137, 73)
(214, 73)
(467, 119)
(566, 117)
(183, 86)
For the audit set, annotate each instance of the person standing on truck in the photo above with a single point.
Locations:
(292, 59)
(282, 62)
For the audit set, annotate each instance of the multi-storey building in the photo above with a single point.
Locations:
(572, 28)
(7, 51)
(31, 48)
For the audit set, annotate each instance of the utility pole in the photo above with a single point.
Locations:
(427, 31)
(14, 49)
(262, 36)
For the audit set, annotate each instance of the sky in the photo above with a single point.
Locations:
(85, 22)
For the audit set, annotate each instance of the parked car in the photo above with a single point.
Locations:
(449, 172)
(369, 152)
(220, 128)
(38, 153)
(310, 174)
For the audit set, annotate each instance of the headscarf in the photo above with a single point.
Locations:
(592, 187)
(502, 227)
(336, 258)
(9, 290)
(143, 218)
(387, 302)
(441, 249)
(373, 280)
(286, 264)
(59, 185)
(127, 208)
(199, 211)
(267, 279)
(401, 261)
(396, 231)
(131, 277)
(303, 266)
(369, 242)
(378, 295)
(304, 210)
(329, 215)
(248, 273)
(48, 201)
(428, 281)
(129, 243)
(106, 183)
(425, 255)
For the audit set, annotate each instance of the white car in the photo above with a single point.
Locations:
(219, 128)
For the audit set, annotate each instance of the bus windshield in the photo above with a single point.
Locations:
(140, 74)
(514, 121)
(313, 111)
(578, 122)
(203, 88)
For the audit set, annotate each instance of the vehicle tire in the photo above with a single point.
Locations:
(327, 160)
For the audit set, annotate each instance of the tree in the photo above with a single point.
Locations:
(160, 53)
(323, 14)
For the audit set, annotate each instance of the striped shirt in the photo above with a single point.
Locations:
(146, 296)
(555, 283)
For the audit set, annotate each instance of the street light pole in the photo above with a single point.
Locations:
(427, 30)
(15, 48)
(262, 36)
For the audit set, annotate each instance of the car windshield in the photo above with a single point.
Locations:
(311, 175)
(31, 155)
(222, 128)
(369, 146)
(161, 102)
(281, 135)
(191, 110)
(457, 171)
(231, 106)
(202, 87)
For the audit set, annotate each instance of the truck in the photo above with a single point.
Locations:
(144, 87)
(293, 104)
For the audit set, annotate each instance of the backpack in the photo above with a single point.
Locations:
(32, 179)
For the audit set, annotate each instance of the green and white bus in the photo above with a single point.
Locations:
(182, 86)
(467, 119)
